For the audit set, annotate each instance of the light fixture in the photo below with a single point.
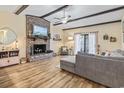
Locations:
(64, 19)
(70, 38)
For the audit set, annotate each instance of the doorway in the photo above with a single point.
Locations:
(86, 42)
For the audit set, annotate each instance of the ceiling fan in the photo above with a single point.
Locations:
(64, 19)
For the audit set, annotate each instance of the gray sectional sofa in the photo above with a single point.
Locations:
(108, 71)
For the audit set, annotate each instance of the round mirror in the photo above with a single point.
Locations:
(7, 36)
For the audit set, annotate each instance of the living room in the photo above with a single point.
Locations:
(37, 41)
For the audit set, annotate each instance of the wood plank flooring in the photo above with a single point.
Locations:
(42, 74)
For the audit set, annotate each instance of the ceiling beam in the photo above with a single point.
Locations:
(93, 25)
(21, 9)
(52, 12)
(96, 14)
(38, 17)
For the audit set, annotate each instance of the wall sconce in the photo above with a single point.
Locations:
(70, 38)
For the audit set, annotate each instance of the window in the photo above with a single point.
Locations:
(85, 43)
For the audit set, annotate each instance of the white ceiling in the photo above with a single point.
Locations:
(94, 20)
(39, 10)
(76, 11)
(81, 10)
(9, 8)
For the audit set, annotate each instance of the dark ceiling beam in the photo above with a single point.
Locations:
(21, 9)
(38, 17)
(96, 14)
(52, 12)
(93, 25)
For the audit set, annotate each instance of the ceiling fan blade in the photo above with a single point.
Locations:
(57, 22)
(69, 15)
(57, 18)
(64, 19)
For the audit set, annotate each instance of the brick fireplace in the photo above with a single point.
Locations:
(36, 47)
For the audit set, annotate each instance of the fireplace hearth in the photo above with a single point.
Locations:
(39, 51)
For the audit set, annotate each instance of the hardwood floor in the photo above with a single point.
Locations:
(42, 74)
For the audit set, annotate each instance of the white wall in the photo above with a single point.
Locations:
(113, 29)
(18, 24)
(55, 45)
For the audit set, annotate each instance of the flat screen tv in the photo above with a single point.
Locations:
(40, 31)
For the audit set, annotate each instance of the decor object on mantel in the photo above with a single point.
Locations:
(113, 39)
(56, 37)
(105, 37)
(49, 35)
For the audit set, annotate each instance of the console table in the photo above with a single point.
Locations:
(8, 58)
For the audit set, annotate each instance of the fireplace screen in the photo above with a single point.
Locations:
(38, 49)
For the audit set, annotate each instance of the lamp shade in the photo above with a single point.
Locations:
(70, 38)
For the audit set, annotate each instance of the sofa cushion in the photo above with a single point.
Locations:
(121, 58)
(68, 63)
(88, 54)
(68, 60)
(104, 70)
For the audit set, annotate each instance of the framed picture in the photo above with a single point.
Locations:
(105, 37)
(56, 37)
(113, 39)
